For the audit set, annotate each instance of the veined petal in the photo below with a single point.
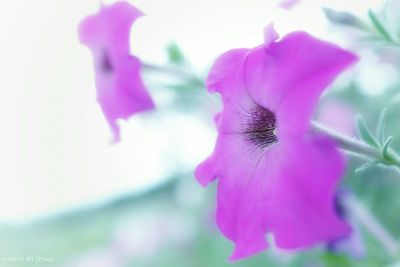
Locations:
(225, 77)
(289, 194)
(230, 149)
(294, 71)
(286, 191)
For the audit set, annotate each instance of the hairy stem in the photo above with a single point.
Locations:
(358, 147)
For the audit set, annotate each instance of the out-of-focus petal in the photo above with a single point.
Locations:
(120, 90)
(110, 27)
(289, 4)
(338, 115)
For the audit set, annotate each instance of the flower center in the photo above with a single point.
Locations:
(105, 62)
(260, 128)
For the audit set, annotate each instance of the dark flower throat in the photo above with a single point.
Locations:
(260, 127)
(105, 63)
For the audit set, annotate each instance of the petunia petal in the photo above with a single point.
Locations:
(110, 27)
(120, 90)
(123, 93)
(225, 77)
(233, 178)
(298, 67)
(309, 172)
(289, 194)
(281, 191)
(274, 175)
(270, 35)
(225, 70)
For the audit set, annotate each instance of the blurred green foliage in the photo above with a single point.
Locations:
(175, 55)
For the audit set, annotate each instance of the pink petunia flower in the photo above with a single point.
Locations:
(274, 175)
(120, 90)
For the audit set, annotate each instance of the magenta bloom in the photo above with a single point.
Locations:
(274, 175)
(120, 90)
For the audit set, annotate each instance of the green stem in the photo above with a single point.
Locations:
(177, 72)
(365, 217)
(356, 146)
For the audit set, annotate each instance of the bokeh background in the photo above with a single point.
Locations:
(69, 198)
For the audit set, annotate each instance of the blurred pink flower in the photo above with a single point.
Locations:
(274, 175)
(353, 245)
(120, 90)
(339, 116)
(288, 4)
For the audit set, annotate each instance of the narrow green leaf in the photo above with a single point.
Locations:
(381, 126)
(343, 18)
(385, 147)
(364, 132)
(175, 54)
(378, 25)
(366, 166)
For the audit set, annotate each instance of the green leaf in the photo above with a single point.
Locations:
(175, 54)
(381, 126)
(365, 133)
(385, 147)
(366, 166)
(335, 260)
(343, 18)
(378, 26)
